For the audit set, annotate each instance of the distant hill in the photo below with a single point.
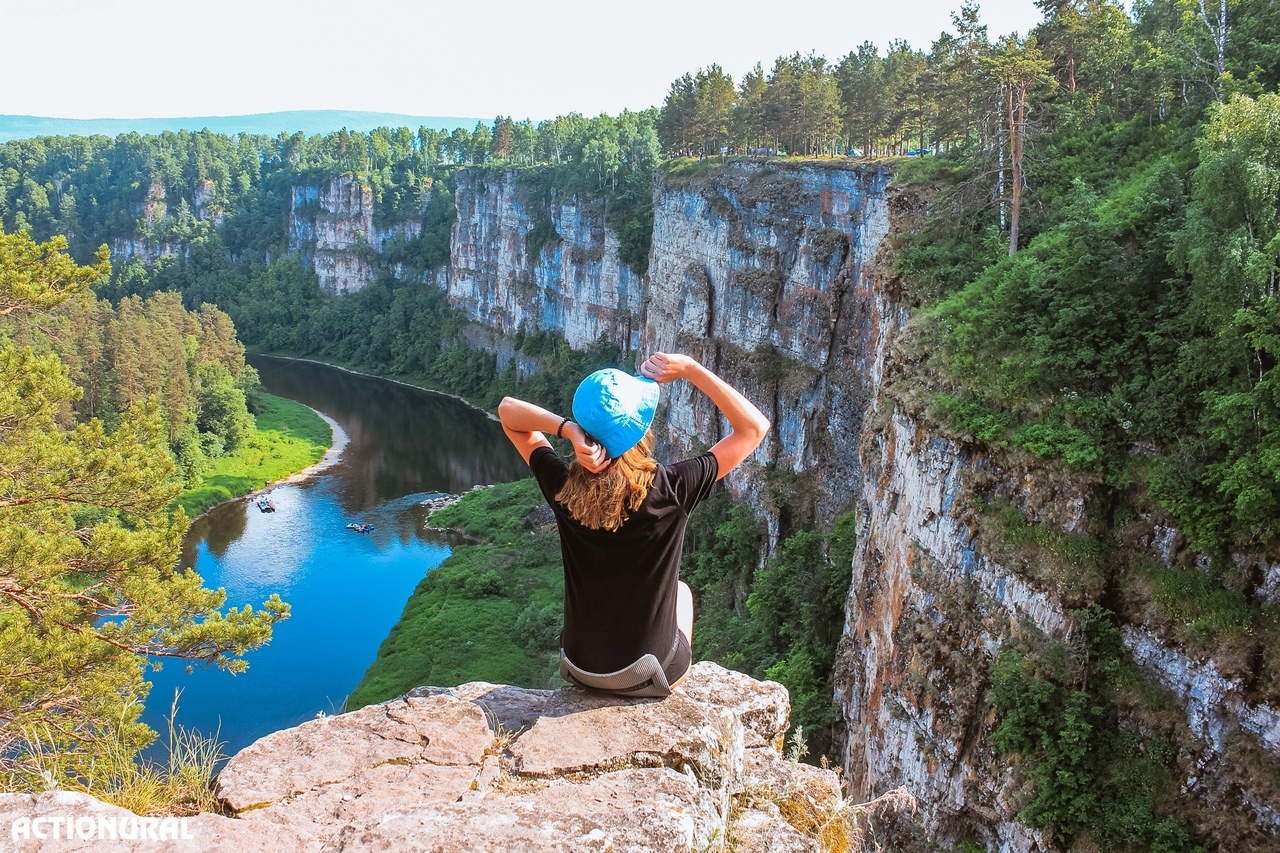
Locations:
(307, 121)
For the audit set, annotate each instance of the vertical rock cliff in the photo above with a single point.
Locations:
(764, 273)
(532, 255)
(761, 271)
(152, 211)
(332, 228)
(936, 593)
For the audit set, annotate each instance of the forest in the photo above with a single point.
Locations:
(1093, 273)
(105, 411)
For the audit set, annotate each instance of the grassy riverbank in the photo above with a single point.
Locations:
(289, 437)
(490, 612)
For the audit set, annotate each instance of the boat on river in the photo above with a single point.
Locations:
(265, 504)
(360, 528)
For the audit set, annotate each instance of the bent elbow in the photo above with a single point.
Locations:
(504, 408)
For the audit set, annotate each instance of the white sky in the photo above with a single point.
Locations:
(162, 58)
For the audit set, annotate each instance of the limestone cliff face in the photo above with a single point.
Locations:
(933, 598)
(765, 273)
(927, 611)
(524, 254)
(760, 271)
(152, 211)
(331, 227)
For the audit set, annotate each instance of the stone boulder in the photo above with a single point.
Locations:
(486, 767)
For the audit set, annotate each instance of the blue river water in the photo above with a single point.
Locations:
(346, 589)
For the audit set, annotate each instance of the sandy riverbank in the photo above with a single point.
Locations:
(331, 457)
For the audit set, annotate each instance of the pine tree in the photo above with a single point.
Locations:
(89, 578)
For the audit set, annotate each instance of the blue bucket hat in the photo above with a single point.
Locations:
(615, 408)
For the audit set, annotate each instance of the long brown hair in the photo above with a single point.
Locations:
(603, 501)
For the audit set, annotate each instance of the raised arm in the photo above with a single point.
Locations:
(524, 423)
(748, 424)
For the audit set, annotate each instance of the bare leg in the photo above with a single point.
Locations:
(684, 620)
(684, 612)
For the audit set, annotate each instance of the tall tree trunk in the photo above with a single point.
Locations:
(1017, 108)
(1218, 30)
(1000, 134)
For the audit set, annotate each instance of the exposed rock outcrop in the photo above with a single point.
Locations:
(933, 598)
(152, 210)
(765, 273)
(535, 255)
(484, 767)
(332, 228)
(927, 611)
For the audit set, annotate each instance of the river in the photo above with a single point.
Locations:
(346, 589)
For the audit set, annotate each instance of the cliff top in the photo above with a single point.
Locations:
(490, 767)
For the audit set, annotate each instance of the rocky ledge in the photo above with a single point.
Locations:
(484, 767)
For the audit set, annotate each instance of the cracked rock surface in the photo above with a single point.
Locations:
(487, 767)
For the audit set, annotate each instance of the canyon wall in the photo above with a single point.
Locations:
(524, 254)
(764, 273)
(937, 591)
(154, 208)
(332, 228)
(761, 272)
(780, 277)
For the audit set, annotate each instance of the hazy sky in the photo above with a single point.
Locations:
(159, 58)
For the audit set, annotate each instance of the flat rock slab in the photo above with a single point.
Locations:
(581, 732)
(486, 767)
(624, 812)
(510, 709)
(436, 730)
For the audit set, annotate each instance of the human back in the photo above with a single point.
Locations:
(622, 586)
(622, 515)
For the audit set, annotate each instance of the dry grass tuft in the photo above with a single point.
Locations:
(180, 786)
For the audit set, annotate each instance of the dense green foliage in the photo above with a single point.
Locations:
(228, 199)
(286, 438)
(780, 620)
(89, 584)
(1131, 339)
(1102, 62)
(1093, 776)
(192, 364)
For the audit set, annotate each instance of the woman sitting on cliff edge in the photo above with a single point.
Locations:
(628, 618)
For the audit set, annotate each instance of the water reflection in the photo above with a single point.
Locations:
(403, 440)
(346, 589)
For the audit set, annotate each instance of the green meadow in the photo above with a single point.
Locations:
(289, 437)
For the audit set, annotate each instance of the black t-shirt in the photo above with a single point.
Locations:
(620, 587)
